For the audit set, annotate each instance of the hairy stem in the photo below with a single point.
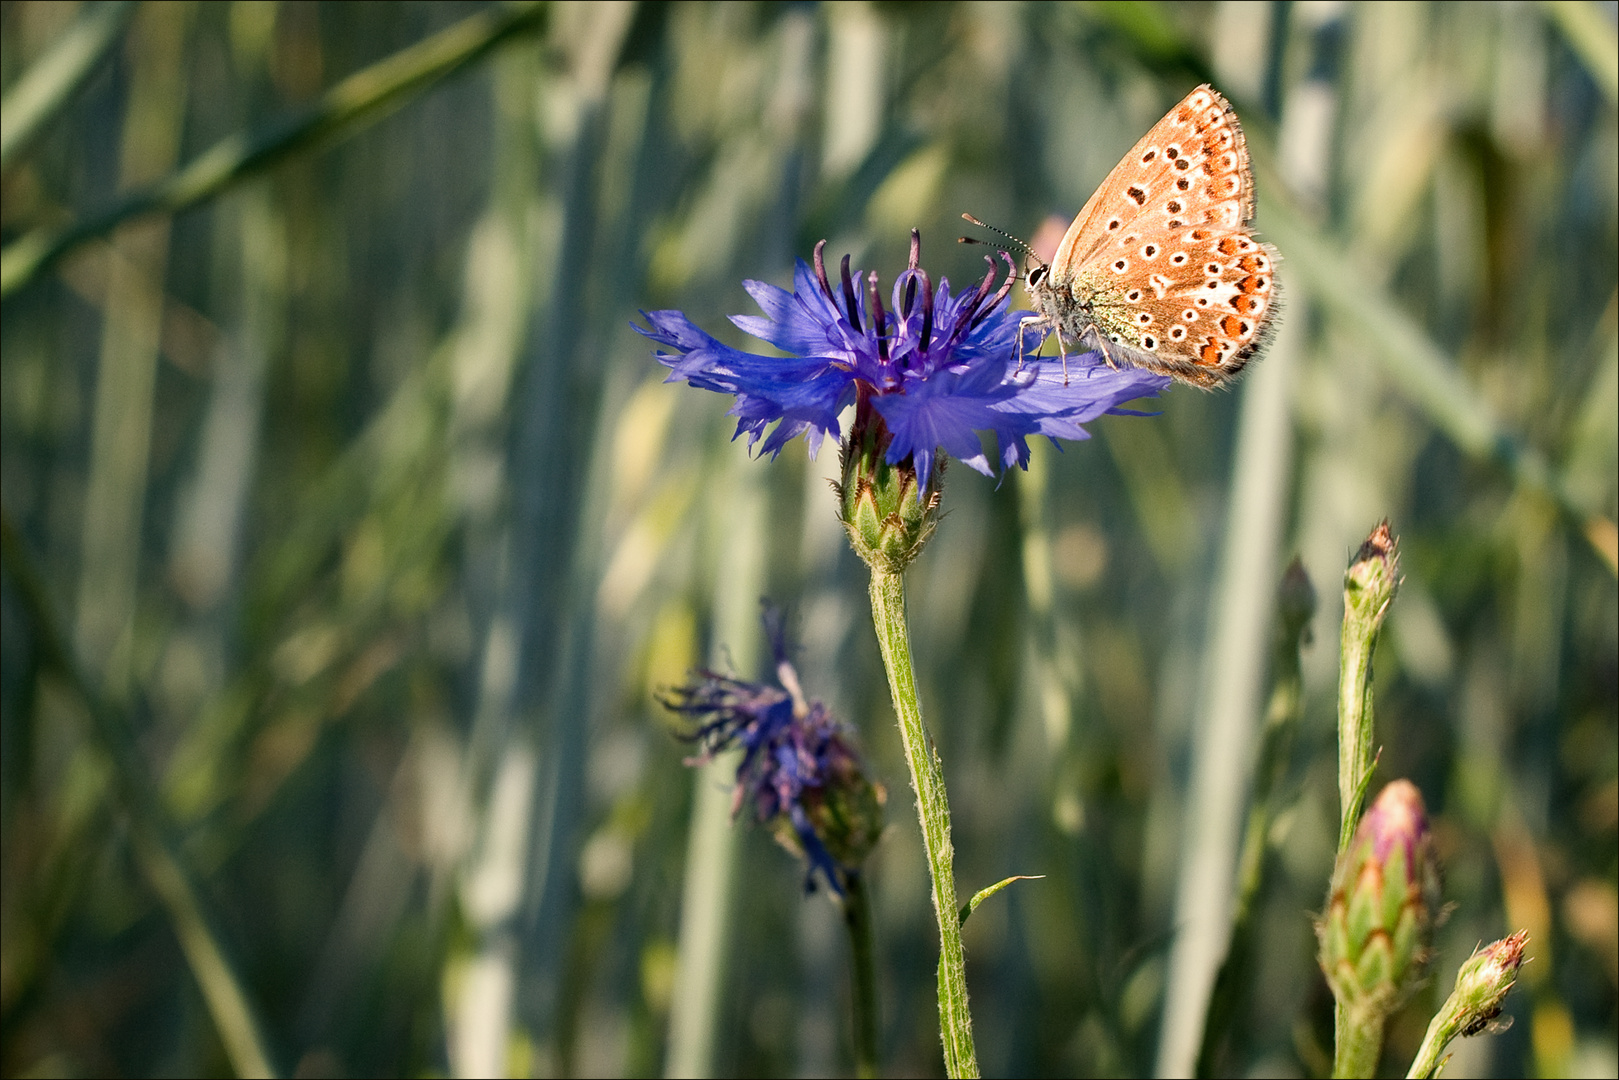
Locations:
(1360, 1043)
(933, 811)
(1430, 1055)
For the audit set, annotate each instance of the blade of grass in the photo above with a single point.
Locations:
(1416, 366)
(52, 81)
(1591, 34)
(1237, 649)
(706, 906)
(151, 836)
(1295, 605)
(360, 99)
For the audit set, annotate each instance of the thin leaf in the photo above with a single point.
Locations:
(984, 894)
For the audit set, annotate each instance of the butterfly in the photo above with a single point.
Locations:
(1161, 269)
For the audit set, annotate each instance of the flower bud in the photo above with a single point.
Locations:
(1295, 604)
(1483, 982)
(1371, 580)
(1481, 987)
(1380, 912)
(886, 518)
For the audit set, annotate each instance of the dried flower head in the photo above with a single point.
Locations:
(800, 768)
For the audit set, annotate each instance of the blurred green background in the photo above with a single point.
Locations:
(370, 528)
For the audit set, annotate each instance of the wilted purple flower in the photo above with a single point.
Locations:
(800, 769)
(936, 368)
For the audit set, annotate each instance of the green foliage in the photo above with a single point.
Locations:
(360, 509)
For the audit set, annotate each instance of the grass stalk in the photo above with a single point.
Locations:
(151, 835)
(358, 100)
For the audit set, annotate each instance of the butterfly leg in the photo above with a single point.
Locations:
(1101, 345)
(1045, 326)
(1023, 324)
(1062, 350)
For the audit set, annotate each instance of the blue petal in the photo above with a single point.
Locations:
(921, 420)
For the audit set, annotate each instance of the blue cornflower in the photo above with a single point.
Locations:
(800, 769)
(932, 370)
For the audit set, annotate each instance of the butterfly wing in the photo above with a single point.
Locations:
(1162, 255)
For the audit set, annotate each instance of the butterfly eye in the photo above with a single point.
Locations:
(1037, 275)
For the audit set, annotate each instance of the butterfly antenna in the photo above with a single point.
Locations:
(1000, 232)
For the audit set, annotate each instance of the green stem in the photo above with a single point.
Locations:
(1360, 1043)
(151, 837)
(1369, 587)
(359, 99)
(863, 974)
(1430, 1056)
(1354, 724)
(933, 811)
